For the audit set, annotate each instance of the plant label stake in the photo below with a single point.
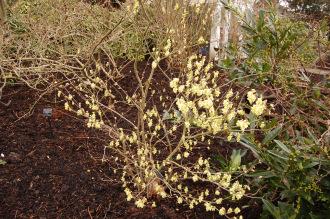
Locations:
(47, 112)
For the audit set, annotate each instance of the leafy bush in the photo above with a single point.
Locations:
(296, 175)
(292, 171)
(274, 47)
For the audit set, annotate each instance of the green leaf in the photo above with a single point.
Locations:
(287, 210)
(277, 154)
(246, 143)
(236, 158)
(272, 134)
(311, 164)
(2, 162)
(248, 29)
(283, 146)
(272, 209)
(263, 174)
(222, 161)
(261, 20)
(321, 105)
(312, 136)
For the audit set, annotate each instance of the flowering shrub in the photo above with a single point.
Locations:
(159, 154)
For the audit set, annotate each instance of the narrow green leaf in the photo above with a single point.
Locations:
(283, 146)
(246, 143)
(221, 160)
(272, 134)
(271, 208)
(276, 154)
(321, 105)
(263, 174)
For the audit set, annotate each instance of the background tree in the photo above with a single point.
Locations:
(2, 11)
(317, 9)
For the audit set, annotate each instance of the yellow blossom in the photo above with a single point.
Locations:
(209, 207)
(222, 211)
(251, 96)
(229, 94)
(227, 105)
(140, 203)
(201, 40)
(174, 82)
(128, 194)
(262, 125)
(241, 112)
(154, 64)
(237, 210)
(231, 115)
(259, 107)
(66, 106)
(236, 191)
(243, 124)
(230, 137)
(218, 201)
(176, 7)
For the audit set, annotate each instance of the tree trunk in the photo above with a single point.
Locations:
(2, 11)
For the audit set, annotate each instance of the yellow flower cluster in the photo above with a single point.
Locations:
(251, 96)
(202, 171)
(259, 105)
(236, 191)
(201, 105)
(243, 124)
(199, 97)
(93, 122)
(197, 93)
(140, 203)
